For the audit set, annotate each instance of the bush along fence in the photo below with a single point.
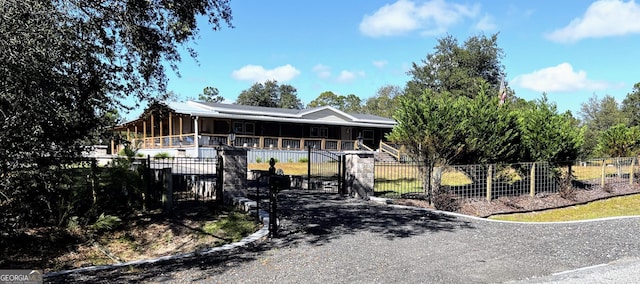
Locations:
(81, 190)
(76, 192)
(405, 179)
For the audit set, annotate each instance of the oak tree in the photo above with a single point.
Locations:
(459, 69)
(270, 94)
(65, 65)
(211, 95)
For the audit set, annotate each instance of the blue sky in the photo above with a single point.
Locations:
(569, 49)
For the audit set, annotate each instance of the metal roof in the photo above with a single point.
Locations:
(298, 113)
(220, 110)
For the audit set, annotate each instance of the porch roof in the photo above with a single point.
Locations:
(295, 113)
(324, 115)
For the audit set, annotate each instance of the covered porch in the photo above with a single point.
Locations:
(179, 131)
(196, 127)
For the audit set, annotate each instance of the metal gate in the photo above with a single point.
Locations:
(326, 171)
(192, 179)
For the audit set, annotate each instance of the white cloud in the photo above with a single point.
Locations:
(257, 73)
(396, 18)
(322, 71)
(486, 23)
(429, 18)
(560, 78)
(603, 18)
(345, 76)
(348, 76)
(380, 63)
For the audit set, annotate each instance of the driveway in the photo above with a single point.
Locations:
(328, 239)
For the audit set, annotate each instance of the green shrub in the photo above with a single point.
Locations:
(303, 160)
(258, 160)
(106, 223)
(120, 188)
(445, 200)
(162, 155)
(128, 152)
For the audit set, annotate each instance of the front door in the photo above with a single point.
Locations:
(367, 138)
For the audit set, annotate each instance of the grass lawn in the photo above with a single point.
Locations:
(287, 168)
(612, 207)
(591, 172)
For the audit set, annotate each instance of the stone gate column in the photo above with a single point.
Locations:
(359, 173)
(235, 168)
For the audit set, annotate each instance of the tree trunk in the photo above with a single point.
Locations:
(436, 178)
(426, 181)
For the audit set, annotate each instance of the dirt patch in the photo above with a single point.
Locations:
(143, 236)
(516, 204)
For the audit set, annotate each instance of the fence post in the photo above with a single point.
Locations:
(167, 193)
(220, 179)
(631, 172)
(603, 174)
(532, 183)
(146, 193)
(340, 174)
(489, 180)
(308, 167)
(94, 180)
(273, 200)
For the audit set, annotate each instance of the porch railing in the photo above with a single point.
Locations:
(384, 147)
(397, 151)
(259, 142)
(174, 141)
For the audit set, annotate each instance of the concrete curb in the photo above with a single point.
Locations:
(241, 202)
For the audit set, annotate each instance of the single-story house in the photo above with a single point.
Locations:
(196, 128)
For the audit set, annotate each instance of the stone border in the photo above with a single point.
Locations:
(240, 202)
(389, 202)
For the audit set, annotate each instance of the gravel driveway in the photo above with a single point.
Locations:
(328, 239)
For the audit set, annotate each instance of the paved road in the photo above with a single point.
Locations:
(616, 272)
(328, 239)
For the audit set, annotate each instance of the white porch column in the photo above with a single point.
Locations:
(195, 139)
(170, 130)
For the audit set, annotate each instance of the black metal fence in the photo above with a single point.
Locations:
(398, 179)
(192, 179)
(140, 183)
(326, 171)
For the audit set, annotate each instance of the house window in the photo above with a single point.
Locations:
(319, 132)
(237, 127)
(246, 128)
(367, 134)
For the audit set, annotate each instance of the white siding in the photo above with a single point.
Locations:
(326, 115)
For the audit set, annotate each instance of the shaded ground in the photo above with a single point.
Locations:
(151, 236)
(142, 236)
(306, 218)
(325, 238)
